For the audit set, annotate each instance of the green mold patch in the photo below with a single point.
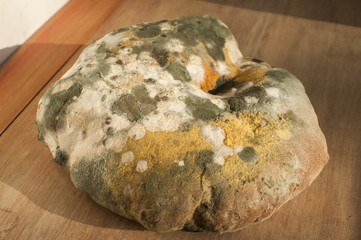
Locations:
(88, 175)
(128, 105)
(101, 48)
(202, 108)
(135, 105)
(61, 157)
(165, 181)
(191, 32)
(175, 186)
(202, 29)
(237, 104)
(221, 30)
(279, 75)
(143, 48)
(160, 55)
(141, 93)
(204, 160)
(215, 52)
(103, 69)
(148, 31)
(57, 102)
(186, 33)
(172, 181)
(255, 91)
(147, 104)
(178, 71)
(248, 155)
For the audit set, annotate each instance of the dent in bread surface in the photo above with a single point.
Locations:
(168, 124)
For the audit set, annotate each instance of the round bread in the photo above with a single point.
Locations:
(169, 125)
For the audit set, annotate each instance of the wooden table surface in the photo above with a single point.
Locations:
(318, 41)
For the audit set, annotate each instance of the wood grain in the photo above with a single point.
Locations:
(40, 57)
(38, 200)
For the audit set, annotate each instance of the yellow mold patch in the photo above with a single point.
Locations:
(248, 127)
(257, 130)
(237, 172)
(160, 150)
(165, 147)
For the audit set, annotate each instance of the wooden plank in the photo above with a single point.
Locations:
(334, 11)
(38, 59)
(38, 200)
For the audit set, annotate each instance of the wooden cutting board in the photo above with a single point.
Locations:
(318, 42)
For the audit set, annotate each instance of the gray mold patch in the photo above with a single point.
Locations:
(248, 155)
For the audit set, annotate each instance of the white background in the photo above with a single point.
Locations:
(19, 19)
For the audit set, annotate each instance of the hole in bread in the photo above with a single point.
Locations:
(230, 87)
(246, 77)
